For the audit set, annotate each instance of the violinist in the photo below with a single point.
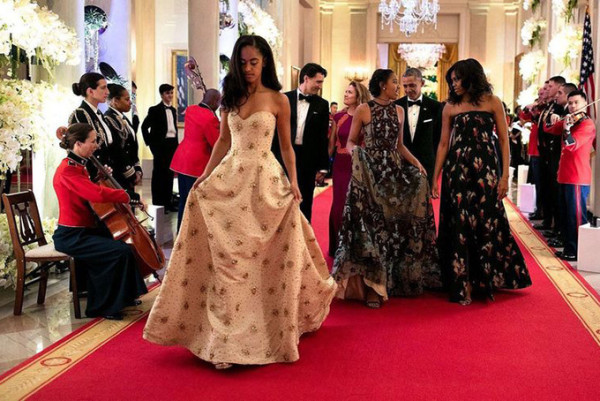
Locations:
(112, 279)
(577, 132)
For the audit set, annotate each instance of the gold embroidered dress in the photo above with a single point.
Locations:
(246, 278)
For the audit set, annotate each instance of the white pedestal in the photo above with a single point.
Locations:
(522, 173)
(526, 198)
(161, 224)
(587, 249)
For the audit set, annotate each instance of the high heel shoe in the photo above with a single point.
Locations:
(222, 365)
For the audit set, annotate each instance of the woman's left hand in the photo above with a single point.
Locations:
(502, 188)
(296, 192)
(421, 169)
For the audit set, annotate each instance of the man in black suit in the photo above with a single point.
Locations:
(159, 130)
(309, 125)
(422, 122)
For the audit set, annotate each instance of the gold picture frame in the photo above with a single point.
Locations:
(294, 77)
(181, 93)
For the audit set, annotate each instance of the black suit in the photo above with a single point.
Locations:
(126, 144)
(154, 131)
(105, 153)
(427, 133)
(312, 155)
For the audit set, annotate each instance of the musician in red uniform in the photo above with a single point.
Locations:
(574, 171)
(193, 153)
(112, 278)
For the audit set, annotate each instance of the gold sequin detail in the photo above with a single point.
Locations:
(200, 329)
(210, 235)
(307, 302)
(260, 169)
(265, 155)
(212, 355)
(251, 145)
(303, 287)
(237, 307)
(210, 213)
(286, 312)
(261, 198)
(194, 232)
(228, 224)
(268, 354)
(275, 180)
(188, 261)
(290, 263)
(253, 290)
(221, 255)
(203, 304)
(211, 307)
(181, 326)
(164, 319)
(279, 203)
(253, 329)
(244, 208)
(281, 335)
(286, 247)
(279, 230)
(282, 266)
(225, 338)
(203, 289)
(264, 227)
(241, 169)
(254, 254)
(271, 290)
(184, 282)
(266, 262)
(222, 291)
(245, 276)
(283, 286)
(210, 267)
(214, 289)
(267, 133)
(231, 194)
(191, 203)
(239, 242)
(186, 306)
(227, 323)
(179, 245)
(245, 352)
(275, 312)
(293, 224)
(220, 176)
(286, 358)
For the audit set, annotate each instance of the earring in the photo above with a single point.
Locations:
(384, 88)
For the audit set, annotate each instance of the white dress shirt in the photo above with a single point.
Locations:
(171, 132)
(109, 138)
(302, 112)
(413, 116)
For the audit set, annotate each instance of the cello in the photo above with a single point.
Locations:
(124, 226)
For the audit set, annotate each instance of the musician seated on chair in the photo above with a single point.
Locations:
(113, 280)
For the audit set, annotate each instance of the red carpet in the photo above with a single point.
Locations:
(527, 345)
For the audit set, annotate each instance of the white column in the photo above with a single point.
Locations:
(46, 160)
(203, 41)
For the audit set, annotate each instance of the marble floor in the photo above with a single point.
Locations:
(41, 325)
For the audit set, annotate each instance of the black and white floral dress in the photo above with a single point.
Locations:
(475, 241)
(387, 237)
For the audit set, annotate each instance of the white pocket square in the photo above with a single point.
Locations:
(427, 121)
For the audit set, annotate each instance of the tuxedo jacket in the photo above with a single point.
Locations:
(154, 127)
(427, 133)
(314, 155)
(85, 114)
(125, 143)
(549, 145)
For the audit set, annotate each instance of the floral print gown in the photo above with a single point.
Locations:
(387, 238)
(246, 277)
(475, 241)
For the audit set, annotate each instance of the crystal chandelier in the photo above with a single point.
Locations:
(421, 55)
(408, 14)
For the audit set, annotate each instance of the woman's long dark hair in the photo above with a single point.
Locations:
(235, 88)
(379, 77)
(87, 80)
(473, 80)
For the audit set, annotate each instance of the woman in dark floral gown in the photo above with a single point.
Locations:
(476, 247)
(387, 239)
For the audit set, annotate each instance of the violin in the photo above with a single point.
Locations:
(124, 226)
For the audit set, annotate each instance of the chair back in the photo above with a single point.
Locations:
(24, 221)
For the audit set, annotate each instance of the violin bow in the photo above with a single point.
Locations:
(193, 73)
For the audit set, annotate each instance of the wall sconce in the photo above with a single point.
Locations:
(357, 74)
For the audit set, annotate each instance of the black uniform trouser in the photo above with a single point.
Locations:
(112, 277)
(162, 175)
(549, 160)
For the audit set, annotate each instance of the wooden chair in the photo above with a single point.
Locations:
(25, 228)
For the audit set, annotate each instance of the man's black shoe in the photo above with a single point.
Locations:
(550, 234)
(114, 316)
(135, 302)
(171, 208)
(568, 258)
(555, 243)
(541, 226)
(558, 254)
(535, 216)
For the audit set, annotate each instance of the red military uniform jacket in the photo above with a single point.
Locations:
(532, 149)
(201, 133)
(574, 166)
(75, 190)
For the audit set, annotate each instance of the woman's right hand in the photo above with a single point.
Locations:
(435, 192)
(199, 181)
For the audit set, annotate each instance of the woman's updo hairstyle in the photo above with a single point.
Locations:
(77, 132)
(380, 76)
(87, 80)
(115, 91)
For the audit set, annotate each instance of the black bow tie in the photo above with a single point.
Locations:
(415, 103)
(308, 98)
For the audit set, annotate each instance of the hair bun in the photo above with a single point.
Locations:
(76, 90)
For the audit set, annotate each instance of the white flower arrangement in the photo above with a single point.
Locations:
(564, 8)
(531, 64)
(29, 114)
(253, 20)
(37, 31)
(531, 31)
(527, 4)
(566, 44)
(8, 264)
(528, 95)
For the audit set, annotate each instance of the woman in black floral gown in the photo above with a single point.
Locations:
(387, 239)
(476, 247)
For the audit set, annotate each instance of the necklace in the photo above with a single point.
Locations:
(388, 101)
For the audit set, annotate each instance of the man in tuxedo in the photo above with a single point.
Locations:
(159, 130)
(309, 125)
(422, 122)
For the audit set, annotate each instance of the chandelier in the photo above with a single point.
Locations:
(408, 14)
(421, 55)
(357, 74)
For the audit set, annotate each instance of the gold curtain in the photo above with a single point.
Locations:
(446, 61)
(396, 64)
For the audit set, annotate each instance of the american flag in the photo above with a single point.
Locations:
(586, 72)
